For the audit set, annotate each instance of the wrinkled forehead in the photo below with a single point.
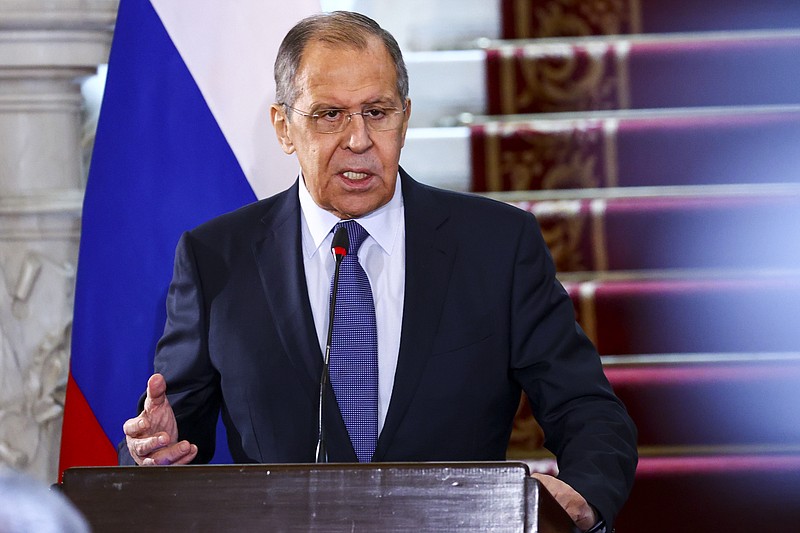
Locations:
(321, 52)
(347, 71)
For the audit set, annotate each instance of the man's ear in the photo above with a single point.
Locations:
(277, 114)
(405, 122)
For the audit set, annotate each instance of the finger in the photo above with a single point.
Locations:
(177, 454)
(145, 447)
(189, 457)
(156, 391)
(570, 500)
(136, 427)
(586, 522)
(549, 482)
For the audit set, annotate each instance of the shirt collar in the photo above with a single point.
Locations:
(381, 224)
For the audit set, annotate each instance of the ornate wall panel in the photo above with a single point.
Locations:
(46, 49)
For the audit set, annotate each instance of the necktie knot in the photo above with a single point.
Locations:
(355, 232)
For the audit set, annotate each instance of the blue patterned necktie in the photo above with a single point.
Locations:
(354, 349)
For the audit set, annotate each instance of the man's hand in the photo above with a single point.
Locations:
(576, 505)
(152, 437)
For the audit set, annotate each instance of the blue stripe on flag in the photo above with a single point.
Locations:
(160, 166)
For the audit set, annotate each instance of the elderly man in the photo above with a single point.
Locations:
(449, 306)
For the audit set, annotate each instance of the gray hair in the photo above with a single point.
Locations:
(28, 505)
(343, 28)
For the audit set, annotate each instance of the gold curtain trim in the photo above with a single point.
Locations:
(610, 128)
(523, 14)
(621, 53)
(599, 247)
(508, 81)
(588, 308)
(494, 176)
(636, 16)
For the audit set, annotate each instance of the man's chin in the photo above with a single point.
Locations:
(357, 209)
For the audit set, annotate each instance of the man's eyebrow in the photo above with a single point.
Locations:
(386, 101)
(316, 108)
(382, 100)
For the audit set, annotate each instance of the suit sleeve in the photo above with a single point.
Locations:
(182, 358)
(182, 355)
(585, 425)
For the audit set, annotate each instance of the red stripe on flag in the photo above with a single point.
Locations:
(83, 441)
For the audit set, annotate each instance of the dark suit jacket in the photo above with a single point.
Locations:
(483, 319)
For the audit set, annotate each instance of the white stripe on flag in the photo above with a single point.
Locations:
(230, 48)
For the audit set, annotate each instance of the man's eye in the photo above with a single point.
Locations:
(375, 113)
(332, 115)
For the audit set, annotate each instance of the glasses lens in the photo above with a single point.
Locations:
(330, 120)
(382, 119)
(376, 119)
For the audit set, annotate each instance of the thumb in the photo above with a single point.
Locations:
(156, 391)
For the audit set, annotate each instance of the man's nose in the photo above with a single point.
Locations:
(358, 134)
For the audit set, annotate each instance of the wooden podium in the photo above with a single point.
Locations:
(497, 496)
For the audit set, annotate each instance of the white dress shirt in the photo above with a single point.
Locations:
(383, 257)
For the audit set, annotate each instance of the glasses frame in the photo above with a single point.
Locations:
(349, 117)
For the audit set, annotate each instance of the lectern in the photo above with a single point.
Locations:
(495, 496)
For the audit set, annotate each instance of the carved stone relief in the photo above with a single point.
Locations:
(36, 294)
(46, 48)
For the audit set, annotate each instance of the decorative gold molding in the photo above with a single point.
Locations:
(599, 245)
(557, 77)
(611, 154)
(588, 307)
(558, 18)
(622, 51)
(563, 225)
(494, 173)
(635, 10)
(508, 81)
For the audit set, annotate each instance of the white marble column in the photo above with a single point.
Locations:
(46, 49)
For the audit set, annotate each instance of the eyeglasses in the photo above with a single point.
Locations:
(376, 118)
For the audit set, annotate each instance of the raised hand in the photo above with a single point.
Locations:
(152, 437)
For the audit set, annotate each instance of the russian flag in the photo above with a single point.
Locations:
(183, 135)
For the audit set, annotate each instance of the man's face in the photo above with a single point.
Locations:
(353, 172)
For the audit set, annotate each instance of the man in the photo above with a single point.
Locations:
(467, 308)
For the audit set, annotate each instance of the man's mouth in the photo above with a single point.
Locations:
(356, 176)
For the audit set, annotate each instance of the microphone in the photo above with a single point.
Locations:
(339, 248)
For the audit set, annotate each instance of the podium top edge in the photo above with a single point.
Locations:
(293, 467)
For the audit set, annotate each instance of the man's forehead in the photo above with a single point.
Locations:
(318, 47)
(340, 70)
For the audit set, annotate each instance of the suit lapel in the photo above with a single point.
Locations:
(278, 254)
(429, 260)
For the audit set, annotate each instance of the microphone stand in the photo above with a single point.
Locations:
(339, 246)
